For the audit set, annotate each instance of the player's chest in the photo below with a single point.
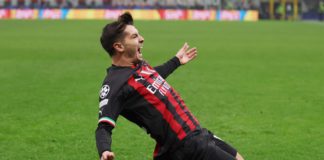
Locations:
(151, 82)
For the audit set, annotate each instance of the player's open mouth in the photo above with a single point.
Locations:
(140, 50)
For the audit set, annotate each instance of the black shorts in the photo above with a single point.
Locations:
(203, 145)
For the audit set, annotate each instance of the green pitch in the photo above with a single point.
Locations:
(259, 86)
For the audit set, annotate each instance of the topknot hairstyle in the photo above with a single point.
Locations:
(126, 18)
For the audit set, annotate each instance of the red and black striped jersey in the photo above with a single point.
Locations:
(141, 95)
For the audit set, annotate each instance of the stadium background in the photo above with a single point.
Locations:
(249, 10)
(257, 84)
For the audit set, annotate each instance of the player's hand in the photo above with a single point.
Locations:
(106, 155)
(185, 54)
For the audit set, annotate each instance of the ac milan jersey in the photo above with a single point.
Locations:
(141, 95)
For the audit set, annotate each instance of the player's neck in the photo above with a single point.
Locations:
(122, 61)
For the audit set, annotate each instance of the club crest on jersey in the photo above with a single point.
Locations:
(104, 91)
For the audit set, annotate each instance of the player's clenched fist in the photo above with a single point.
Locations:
(106, 155)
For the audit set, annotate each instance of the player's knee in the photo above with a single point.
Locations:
(239, 157)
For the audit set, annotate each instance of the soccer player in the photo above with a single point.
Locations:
(139, 92)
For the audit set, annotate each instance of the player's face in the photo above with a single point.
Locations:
(133, 43)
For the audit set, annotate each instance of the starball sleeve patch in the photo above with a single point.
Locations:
(104, 91)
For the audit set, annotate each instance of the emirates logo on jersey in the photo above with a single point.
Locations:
(104, 91)
(160, 85)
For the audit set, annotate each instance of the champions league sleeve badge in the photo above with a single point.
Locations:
(104, 91)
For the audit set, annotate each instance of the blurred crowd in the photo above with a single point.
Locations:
(132, 4)
(282, 9)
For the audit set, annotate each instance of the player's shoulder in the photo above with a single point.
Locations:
(117, 74)
(115, 79)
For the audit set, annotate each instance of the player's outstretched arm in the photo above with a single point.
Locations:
(106, 155)
(186, 54)
(183, 56)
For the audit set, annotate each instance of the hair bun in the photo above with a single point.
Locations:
(126, 18)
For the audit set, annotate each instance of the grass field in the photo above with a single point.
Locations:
(259, 86)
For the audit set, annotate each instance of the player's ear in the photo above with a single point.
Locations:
(119, 47)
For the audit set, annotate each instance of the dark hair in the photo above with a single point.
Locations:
(114, 31)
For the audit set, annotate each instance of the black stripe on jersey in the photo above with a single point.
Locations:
(185, 109)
